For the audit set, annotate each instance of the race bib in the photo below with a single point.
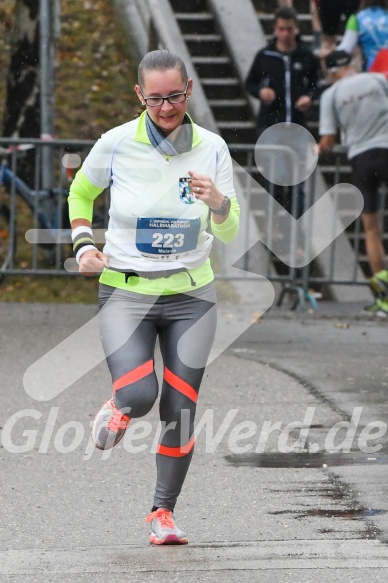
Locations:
(164, 238)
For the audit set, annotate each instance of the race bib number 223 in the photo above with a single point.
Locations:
(160, 236)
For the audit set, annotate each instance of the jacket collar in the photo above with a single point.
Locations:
(142, 136)
(300, 46)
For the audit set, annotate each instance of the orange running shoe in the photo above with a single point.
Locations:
(164, 530)
(109, 426)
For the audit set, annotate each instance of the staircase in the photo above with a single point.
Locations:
(217, 74)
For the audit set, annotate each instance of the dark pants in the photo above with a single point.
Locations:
(330, 12)
(369, 172)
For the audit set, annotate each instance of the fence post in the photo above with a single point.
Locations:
(46, 88)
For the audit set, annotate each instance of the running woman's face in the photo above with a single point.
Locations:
(168, 116)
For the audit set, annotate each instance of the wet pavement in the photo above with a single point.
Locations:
(288, 480)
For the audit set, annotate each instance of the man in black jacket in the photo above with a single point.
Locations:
(283, 74)
(284, 77)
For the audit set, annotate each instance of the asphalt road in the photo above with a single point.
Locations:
(277, 490)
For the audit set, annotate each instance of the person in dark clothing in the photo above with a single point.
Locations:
(330, 13)
(283, 76)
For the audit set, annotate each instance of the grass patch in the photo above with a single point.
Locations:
(54, 290)
(95, 76)
(94, 92)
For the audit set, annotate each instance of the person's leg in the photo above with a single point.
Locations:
(379, 280)
(316, 26)
(186, 337)
(128, 335)
(329, 15)
(375, 252)
(316, 23)
(185, 341)
(369, 170)
(373, 241)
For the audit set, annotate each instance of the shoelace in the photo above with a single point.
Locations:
(119, 421)
(164, 516)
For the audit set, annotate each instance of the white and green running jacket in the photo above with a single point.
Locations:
(155, 222)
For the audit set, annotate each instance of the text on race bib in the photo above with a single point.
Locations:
(166, 236)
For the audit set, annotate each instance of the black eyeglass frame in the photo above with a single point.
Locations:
(167, 98)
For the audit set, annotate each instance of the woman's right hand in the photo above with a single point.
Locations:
(92, 262)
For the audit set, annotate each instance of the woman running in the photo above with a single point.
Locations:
(168, 179)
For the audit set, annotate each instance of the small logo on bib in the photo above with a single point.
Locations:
(185, 193)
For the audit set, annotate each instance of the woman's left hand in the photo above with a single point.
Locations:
(204, 189)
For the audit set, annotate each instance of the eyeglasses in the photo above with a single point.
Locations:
(158, 101)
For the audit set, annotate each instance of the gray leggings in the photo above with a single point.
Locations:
(185, 324)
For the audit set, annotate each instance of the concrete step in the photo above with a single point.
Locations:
(192, 6)
(196, 23)
(238, 131)
(221, 88)
(241, 156)
(230, 109)
(214, 67)
(301, 6)
(210, 45)
(238, 124)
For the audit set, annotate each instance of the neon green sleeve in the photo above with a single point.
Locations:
(81, 197)
(228, 230)
(352, 23)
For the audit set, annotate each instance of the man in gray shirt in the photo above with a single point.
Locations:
(357, 103)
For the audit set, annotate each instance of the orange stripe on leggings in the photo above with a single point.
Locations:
(180, 385)
(134, 375)
(176, 451)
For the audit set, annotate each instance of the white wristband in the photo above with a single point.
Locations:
(78, 230)
(83, 250)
